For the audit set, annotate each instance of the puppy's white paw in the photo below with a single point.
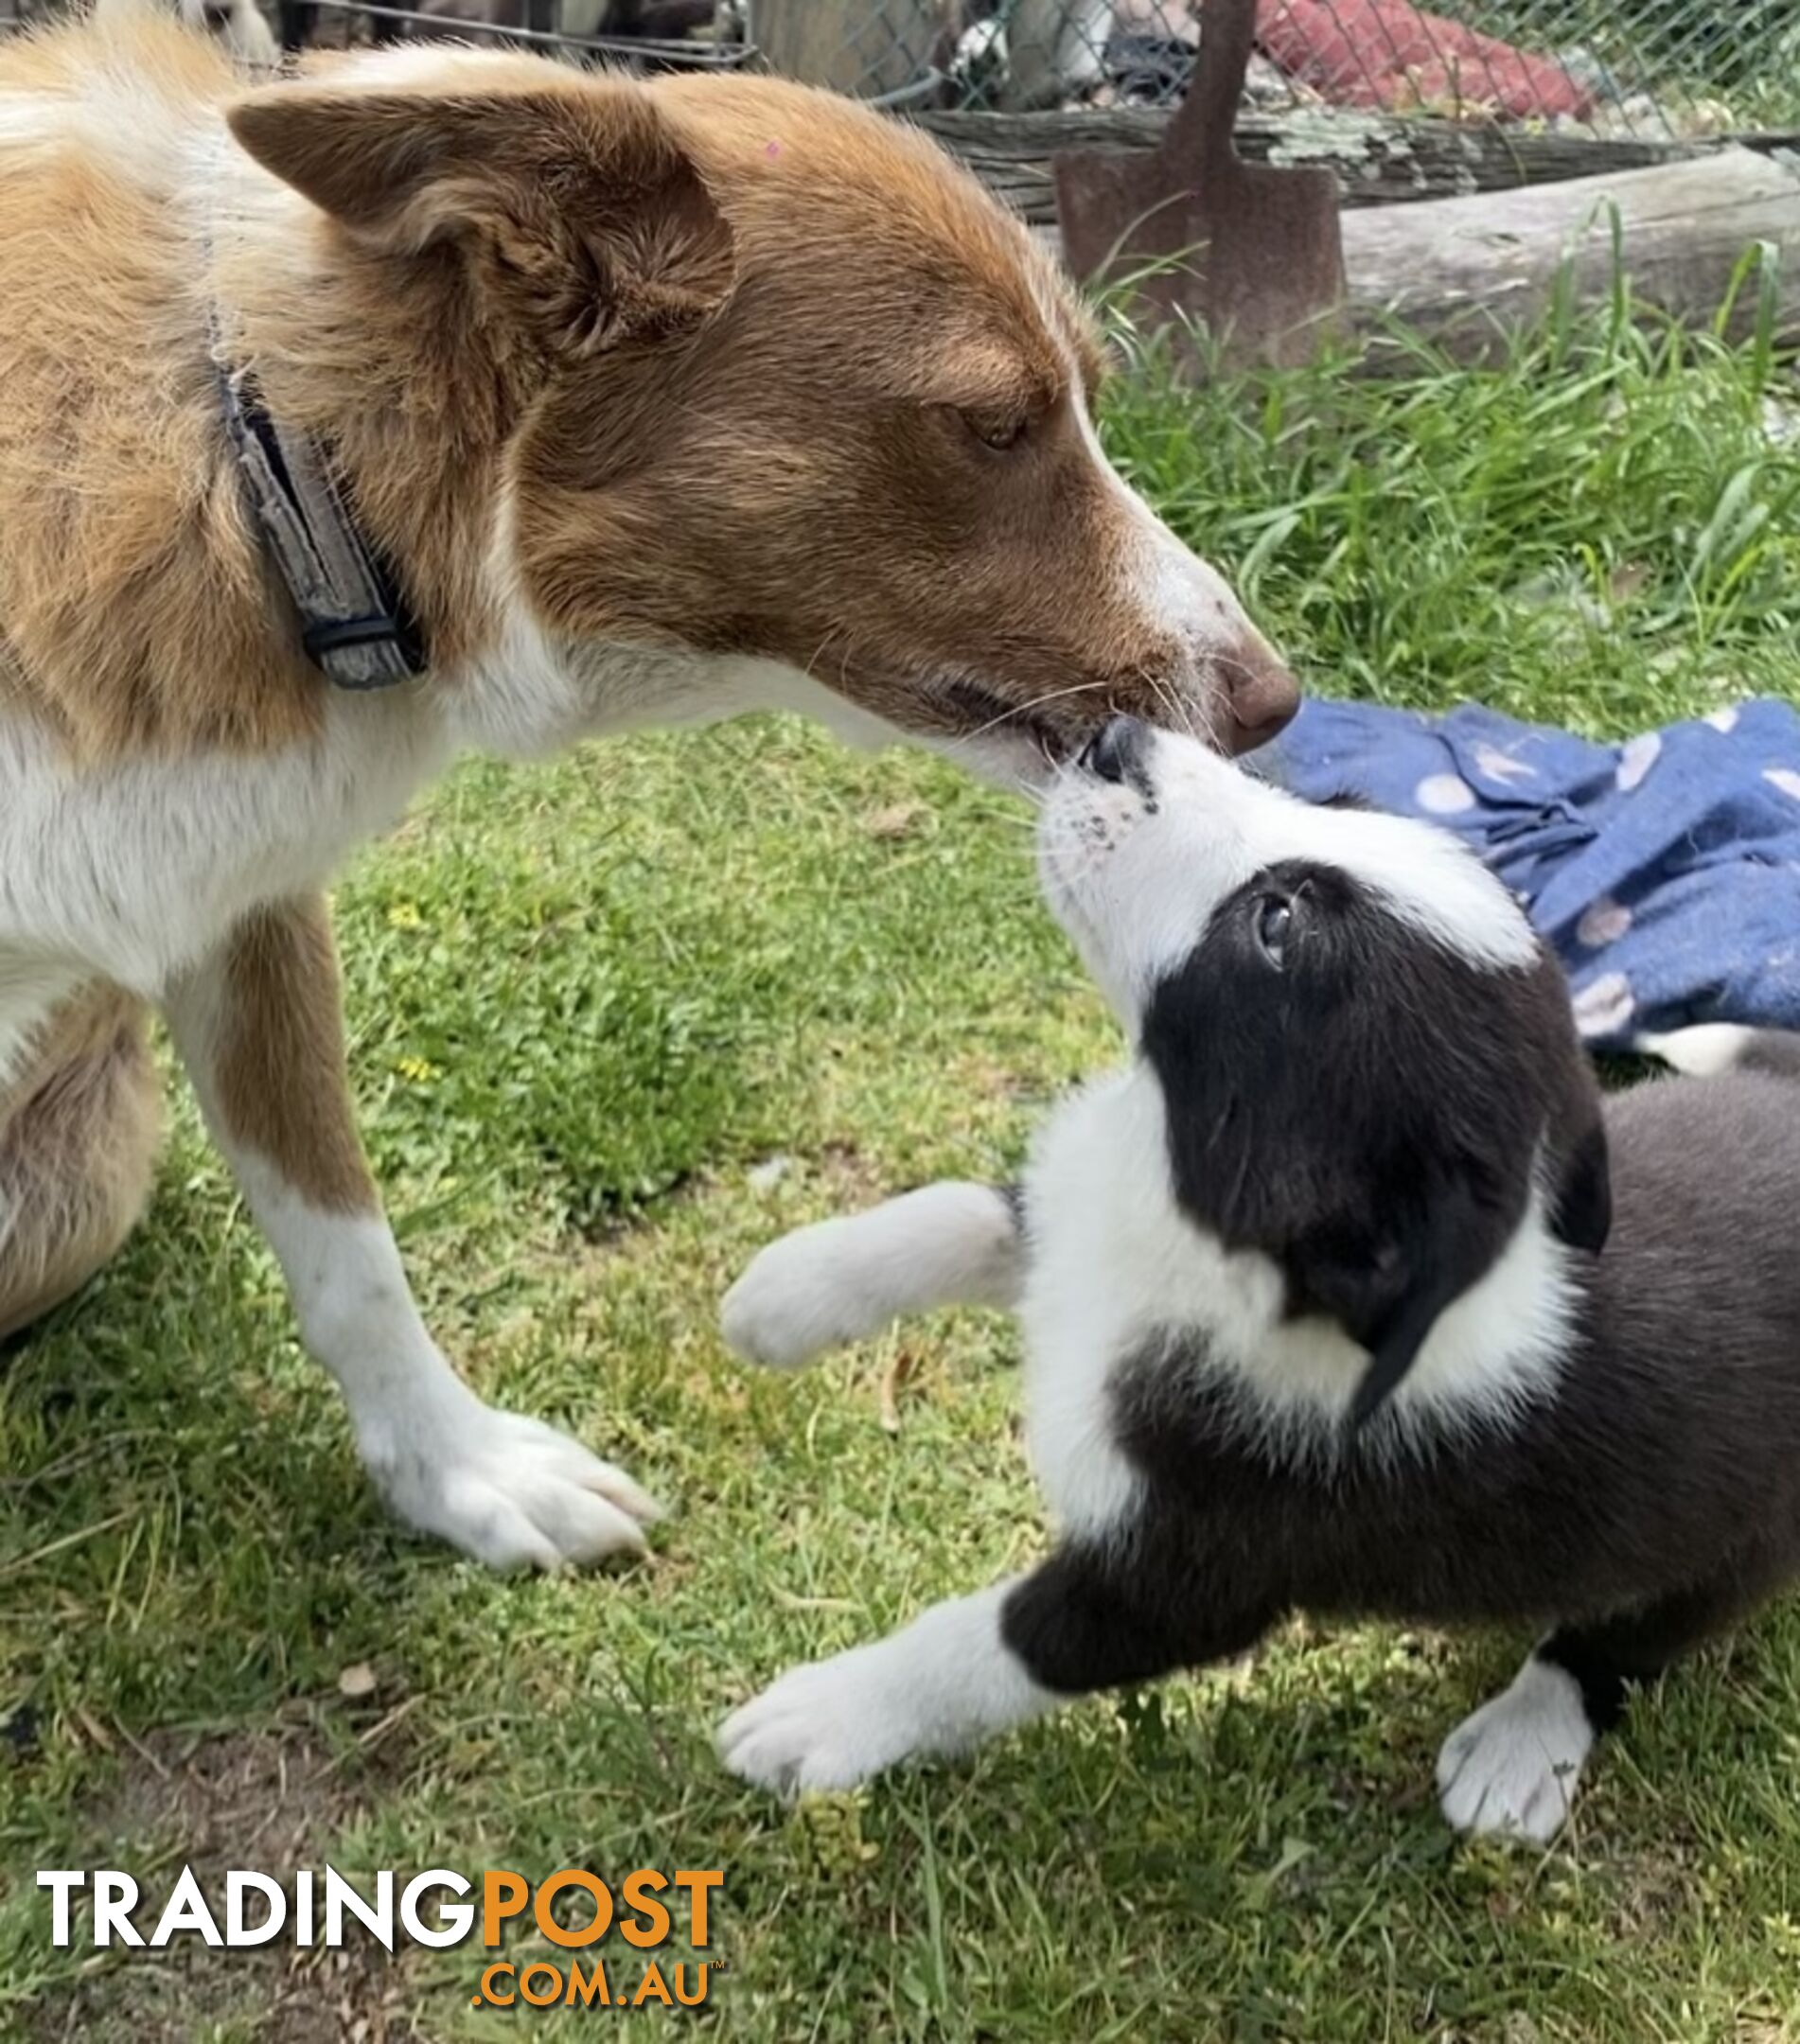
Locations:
(840, 1280)
(506, 1490)
(1510, 1768)
(826, 1725)
(809, 1292)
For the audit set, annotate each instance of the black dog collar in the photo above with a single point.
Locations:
(355, 622)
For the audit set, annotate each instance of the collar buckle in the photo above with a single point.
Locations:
(356, 624)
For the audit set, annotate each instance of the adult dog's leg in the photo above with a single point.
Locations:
(969, 1669)
(947, 1245)
(258, 1028)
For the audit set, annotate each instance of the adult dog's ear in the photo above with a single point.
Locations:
(575, 206)
(1583, 1214)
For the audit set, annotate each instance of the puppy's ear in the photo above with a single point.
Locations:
(1388, 1293)
(1583, 1215)
(1396, 1346)
(574, 204)
(1451, 1239)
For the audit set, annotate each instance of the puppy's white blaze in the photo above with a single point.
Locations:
(520, 697)
(1510, 1768)
(841, 1280)
(1115, 1261)
(1136, 884)
(1703, 1050)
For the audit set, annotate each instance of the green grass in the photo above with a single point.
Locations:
(587, 1002)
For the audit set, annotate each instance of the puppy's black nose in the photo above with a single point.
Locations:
(1116, 751)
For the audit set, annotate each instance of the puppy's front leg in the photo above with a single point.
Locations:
(949, 1243)
(969, 1669)
(258, 1028)
(939, 1685)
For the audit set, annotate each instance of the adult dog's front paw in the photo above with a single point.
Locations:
(826, 1725)
(506, 1490)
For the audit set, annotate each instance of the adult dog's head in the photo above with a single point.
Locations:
(781, 387)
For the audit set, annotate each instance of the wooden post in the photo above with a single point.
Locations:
(862, 46)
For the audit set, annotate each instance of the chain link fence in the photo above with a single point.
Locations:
(1645, 69)
(1666, 68)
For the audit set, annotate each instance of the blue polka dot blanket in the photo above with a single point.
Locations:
(1665, 871)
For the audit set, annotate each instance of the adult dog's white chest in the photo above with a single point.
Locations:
(135, 869)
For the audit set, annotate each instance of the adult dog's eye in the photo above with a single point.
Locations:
(999, 433)
(1274, 913)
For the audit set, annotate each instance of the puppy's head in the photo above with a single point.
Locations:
(786, 386)
(1367, 1057)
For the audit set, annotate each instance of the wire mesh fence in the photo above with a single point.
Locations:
(1638, 68)
(1669, 67)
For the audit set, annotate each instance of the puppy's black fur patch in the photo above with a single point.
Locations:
(1376, 1113)
(1371, 1111)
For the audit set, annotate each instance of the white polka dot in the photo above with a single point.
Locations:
(1636, 757)
(1444, 794)
(1785, 779)
(1726, 719)
(1603, 923)
(1604, 1005)
(1499, 765)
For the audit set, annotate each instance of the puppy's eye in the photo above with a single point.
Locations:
(1001, 434)
(1274, 914)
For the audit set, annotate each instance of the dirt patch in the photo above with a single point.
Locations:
(234, 1799)
(274, 1799)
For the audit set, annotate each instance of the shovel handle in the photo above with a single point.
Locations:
(1201, 127)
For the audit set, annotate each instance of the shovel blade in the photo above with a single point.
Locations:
(1248, 253)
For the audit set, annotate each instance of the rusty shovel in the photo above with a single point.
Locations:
(1250, 252)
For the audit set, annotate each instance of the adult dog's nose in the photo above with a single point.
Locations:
(1261, 697)
(1116, 751)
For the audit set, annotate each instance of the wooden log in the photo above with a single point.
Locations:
(1378, 158)
(861, 46)
(1467, 271)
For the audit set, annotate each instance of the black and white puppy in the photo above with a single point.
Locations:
(1316, 1310)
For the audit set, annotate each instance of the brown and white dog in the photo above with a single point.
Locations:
(666, 402)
